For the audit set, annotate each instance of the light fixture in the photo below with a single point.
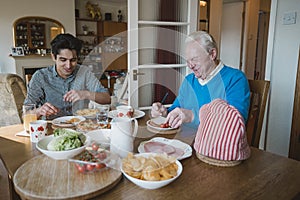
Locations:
(203, 3)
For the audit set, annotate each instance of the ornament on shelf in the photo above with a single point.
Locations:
(93, 11)
(85, 29)
(120, 16)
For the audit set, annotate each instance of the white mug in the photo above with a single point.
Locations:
(37, 130)
(122, 135)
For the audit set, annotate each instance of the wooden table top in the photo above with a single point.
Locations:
(263, 176)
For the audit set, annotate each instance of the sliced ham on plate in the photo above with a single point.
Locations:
(158, 147)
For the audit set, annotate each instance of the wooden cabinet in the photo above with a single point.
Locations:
(30, 36)
(111, 28)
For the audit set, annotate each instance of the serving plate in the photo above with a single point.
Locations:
(65, 121)
(137, 114)
(159, 142)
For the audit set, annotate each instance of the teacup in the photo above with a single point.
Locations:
(125, 111)
(38, 130)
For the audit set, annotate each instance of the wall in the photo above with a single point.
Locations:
(62, 11)
(282, 58)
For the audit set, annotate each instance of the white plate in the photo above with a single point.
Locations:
(153, 184)
(100, 135)
(158, 121)
(61, 121)
(137, 114)
(187, 149)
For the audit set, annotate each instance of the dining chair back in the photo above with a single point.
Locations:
(259, 90)
(28, 78)
(13, 93)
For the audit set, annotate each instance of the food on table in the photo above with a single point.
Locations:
(86, 112)
(66, 139)
(153, 168)
(88, 162)
(128, 114)
(90, 125)
(105, 126)
(125, 111)
(162, 125)
(87, 125)
(165, 125)
(72, 120)
(159, 147)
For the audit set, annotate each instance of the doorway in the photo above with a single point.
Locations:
(232, 34)
(244, 35)
(295, 133)
(262, 39)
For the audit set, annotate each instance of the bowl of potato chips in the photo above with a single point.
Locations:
(151, 170)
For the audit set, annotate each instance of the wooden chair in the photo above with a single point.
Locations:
(13, 93)
(27, 78)
(259, 93)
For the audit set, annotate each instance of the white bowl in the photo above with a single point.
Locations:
(153, 184)
(59, 155)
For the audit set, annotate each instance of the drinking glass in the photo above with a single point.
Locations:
(29, 115)
(102, 114)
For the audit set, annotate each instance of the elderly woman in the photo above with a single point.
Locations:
(210, 80)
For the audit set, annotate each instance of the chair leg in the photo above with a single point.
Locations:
(12, 191)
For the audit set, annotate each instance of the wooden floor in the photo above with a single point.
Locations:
(4, 187)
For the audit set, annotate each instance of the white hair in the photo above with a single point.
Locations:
(204, 39)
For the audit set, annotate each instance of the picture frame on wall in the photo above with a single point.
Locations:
(17, 51)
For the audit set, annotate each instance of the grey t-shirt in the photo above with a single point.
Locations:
(47, 86)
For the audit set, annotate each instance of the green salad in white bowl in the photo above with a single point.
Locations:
(63, 144)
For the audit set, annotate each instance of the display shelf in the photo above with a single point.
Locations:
(30, 36)
(104, 44)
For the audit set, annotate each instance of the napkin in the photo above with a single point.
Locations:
(23, 134)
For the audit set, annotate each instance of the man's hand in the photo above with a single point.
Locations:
(46, 110)
(158, 110)
(178, 116)
(75, 95)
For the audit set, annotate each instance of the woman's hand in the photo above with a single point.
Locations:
(158, 110)
(178, 116)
